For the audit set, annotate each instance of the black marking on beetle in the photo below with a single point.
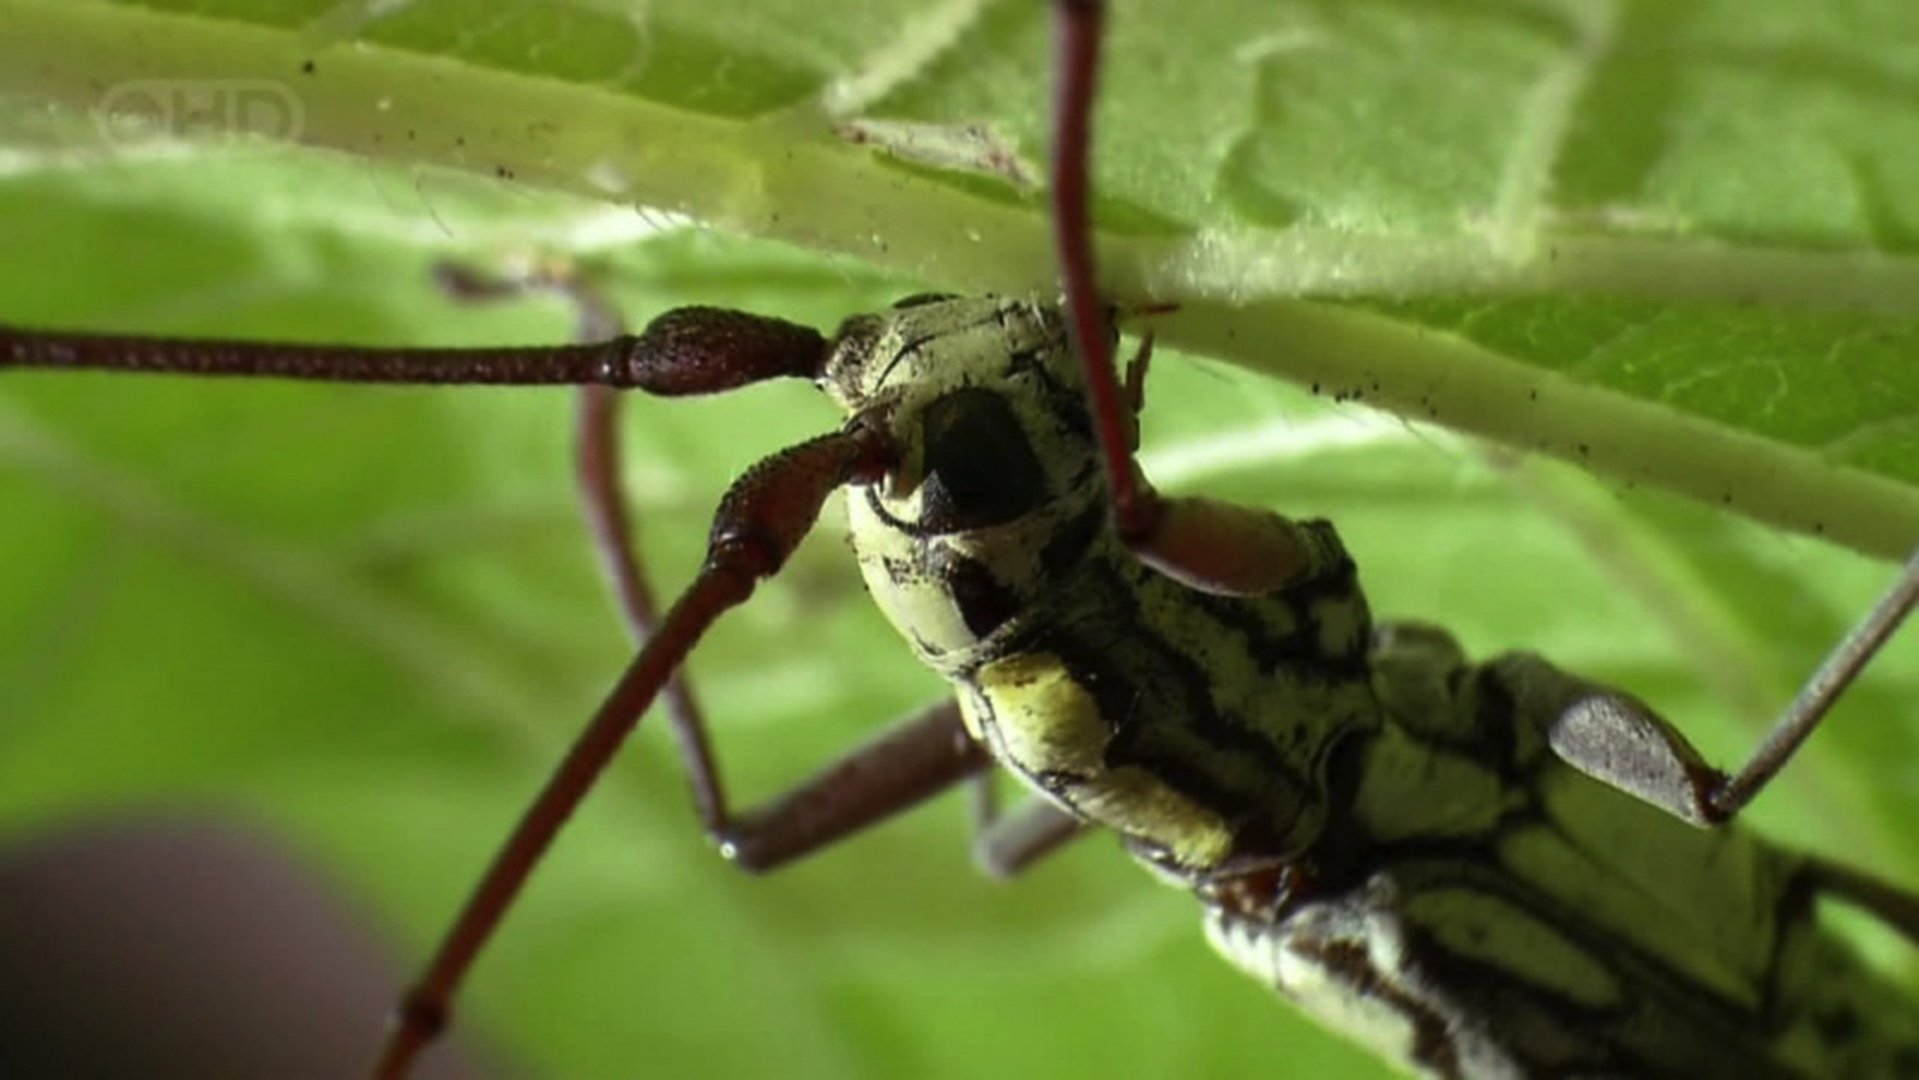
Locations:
(1646, 979)
(1538, 1023)
(1060, 783)
(911, 528)
(984, 602)
(1070, 542)
(1109, 652)
(1031, 362)
(1065, 404)
(1496, 722)
(926, 647)
(1339, 585)
(1070, 416)
(1432, 1043)
(1291, 652)
(921, 299)
(914, 344)
(1488, 987)
(901, 571)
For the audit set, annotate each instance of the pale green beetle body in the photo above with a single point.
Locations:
(1377, 828)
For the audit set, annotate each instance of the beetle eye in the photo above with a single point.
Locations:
(922, 298)
(980, 469)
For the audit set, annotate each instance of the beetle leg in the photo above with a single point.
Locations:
(761, 519)
(1894, 906)
(1824, 688)
(1621, 741)
(899, 768)
(597, 468)
(1006, 845)
(596, 458)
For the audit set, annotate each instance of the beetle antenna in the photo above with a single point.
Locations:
(1079, 26)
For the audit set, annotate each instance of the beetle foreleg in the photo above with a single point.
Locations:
(761, 519)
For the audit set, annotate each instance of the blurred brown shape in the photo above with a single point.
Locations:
(186, 947)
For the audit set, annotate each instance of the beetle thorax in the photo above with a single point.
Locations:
(997, 474)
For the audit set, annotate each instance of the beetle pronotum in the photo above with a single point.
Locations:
(1396, 605)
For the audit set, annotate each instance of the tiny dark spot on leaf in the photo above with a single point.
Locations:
(308, 67)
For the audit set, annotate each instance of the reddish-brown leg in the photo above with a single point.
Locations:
(901, 767)
(759, 522)
(596, 457)
(1007, 845)
(597, 466)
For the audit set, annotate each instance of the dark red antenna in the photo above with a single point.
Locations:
(1079, 27)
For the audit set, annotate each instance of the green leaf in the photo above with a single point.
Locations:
(1669, 243)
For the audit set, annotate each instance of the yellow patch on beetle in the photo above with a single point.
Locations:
(1040, 721)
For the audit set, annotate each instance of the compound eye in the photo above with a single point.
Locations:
(922, 299)
(980, 470)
